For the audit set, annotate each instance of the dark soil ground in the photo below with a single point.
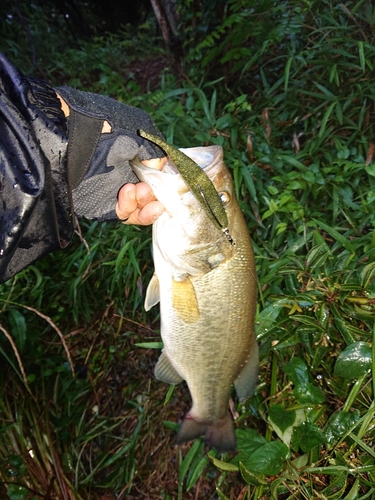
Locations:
(147, 73)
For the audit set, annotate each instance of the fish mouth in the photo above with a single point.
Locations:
(206, 157)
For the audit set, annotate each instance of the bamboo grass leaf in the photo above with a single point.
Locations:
(326, 117)
(336, 235)
(362, 58)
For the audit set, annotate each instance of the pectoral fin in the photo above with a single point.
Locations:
(152, 293)
(184, 300)
(165, 372)
(246, 382)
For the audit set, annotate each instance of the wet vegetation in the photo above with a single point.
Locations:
(287, 89)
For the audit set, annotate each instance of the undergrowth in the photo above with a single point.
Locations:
(293, 107)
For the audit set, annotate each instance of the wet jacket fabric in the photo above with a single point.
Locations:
(35, 204)
(46, 179)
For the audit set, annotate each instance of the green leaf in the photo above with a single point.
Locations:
(196, 448)
(267, 318)
(301, 461)
(306, 436)
(251, 478)
(362, 58)
(309, 321)
(248, 441)
(337, 486)
(150, 345)
(353, 493)
(221, 494)
(18, 328)
(325, 91)
(354, 361)
(287, 72)
(278, 488)
(362, 444)
(297, 371)
(213, 103)
(326, 118)
(221, 465)
(281, 417)
(342, 326)
(170, 391)
(16, 492)
(340, 424)
(293, 161)
(370, 169)
(206, 107)
(249, 183)
(268, 459)
(174, 426)
(335, 235)
(368, 273)
(304, 391)
(309, 394)
(195, 472)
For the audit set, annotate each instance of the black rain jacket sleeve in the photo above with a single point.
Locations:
(35, 203)
(44, 178)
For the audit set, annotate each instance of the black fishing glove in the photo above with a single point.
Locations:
(98, 163)
(47, 161)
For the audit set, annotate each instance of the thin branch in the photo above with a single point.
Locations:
(17, 354)
(59, 333)
(51, 323)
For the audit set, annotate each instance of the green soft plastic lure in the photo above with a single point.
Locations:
(198, 182)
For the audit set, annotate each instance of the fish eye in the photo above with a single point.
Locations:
(225, 198)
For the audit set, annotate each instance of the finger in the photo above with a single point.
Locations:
(157, 163)
(143, 194)
(146, 215)
(136, 204)
(126, 201)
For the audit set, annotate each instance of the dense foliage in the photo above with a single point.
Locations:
(287, 89)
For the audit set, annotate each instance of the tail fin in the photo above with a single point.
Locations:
(219, 434)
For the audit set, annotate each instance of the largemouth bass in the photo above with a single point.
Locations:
(207, 291)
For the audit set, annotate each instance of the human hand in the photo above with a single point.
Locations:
(136, 203)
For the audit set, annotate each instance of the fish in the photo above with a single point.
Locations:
(207, 290)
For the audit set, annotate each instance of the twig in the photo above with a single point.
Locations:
(78, 231)
(347, 11)
(370, 154)
(141, 325)
(59, 333)
(51, 323)
(17, 354)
